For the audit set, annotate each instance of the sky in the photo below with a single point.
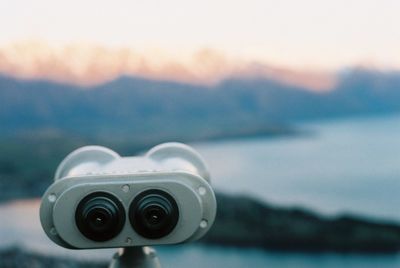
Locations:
(310, 36)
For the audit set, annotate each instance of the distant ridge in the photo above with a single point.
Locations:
(146, 109)
(97, 64)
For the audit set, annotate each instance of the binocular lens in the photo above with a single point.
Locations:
(153, 214)
(100, 216)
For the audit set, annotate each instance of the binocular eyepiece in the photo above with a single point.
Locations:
(100, 216)
(153, 214)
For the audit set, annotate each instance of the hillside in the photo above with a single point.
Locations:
(148, 110)
(244, 221)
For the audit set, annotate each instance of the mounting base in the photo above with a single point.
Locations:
(135, 257)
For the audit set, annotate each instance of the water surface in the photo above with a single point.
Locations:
(345, 166)
(20, 226)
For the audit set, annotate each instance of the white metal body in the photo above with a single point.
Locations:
(172, 167)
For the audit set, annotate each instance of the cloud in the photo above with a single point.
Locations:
(89, 64)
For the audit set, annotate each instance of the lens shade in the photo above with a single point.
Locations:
(100, 216)
(153, 214)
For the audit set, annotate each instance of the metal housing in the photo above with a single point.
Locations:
(171, 167)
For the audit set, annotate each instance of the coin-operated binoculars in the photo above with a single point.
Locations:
(102, 200)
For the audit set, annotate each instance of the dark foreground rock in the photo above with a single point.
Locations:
(246, 222)
(15, 257)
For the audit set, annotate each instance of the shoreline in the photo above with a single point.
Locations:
(278, 229)
(19, 257)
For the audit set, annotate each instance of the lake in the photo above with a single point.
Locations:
(347, 166)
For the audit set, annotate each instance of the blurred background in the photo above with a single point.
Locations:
(294, 105)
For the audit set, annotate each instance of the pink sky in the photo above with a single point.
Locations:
(304, 41)
(91, 64)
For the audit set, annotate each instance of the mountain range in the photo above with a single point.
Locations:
(146, 110)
